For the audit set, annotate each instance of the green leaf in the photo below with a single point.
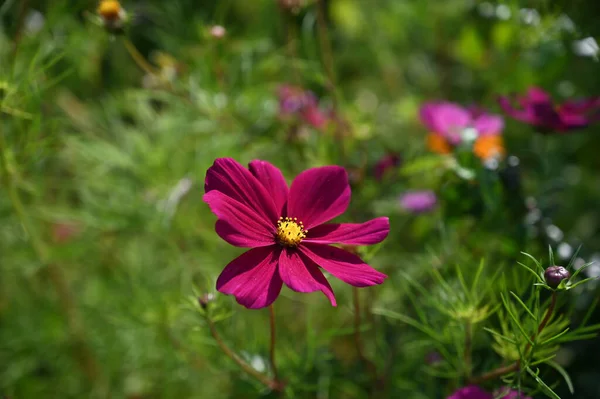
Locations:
(524, 306)
(564, 374)
(545, 388)
(515, 319)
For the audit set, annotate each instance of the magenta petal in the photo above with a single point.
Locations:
(252, 278)
(302, 275)
(238, 224)
(489, 125)
(367, 233)
(518, 114)
(471, 392)
(232, 179)
(449, 120)
(426, 115)
(273, 181)
(318, 195)
(342, 264)
(537, 95)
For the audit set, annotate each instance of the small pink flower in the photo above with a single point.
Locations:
(450, 120)
(418, 201)
(217, 31)
(537, 108)
(284, 227)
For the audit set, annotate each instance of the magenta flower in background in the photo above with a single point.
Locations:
(418, 201)
(303, 103)
(284, 227)
(386, 163)
(537, 108)
(450, 120)
(471, 392)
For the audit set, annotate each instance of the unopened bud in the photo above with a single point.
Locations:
(555, 274)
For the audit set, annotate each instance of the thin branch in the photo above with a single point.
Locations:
(268, 382)
(139, 58)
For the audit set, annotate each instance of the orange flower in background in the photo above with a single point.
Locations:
(110, 10)
(487, 147)
(438, 144)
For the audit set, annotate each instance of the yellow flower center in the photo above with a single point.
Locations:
(290, 232)
(110, 9)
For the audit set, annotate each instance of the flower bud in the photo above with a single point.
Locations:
(555, 274)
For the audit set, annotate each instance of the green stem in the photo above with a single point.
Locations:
(138, 58)
(468, 349)
(81, 350)
(248, 369)
(357, 337)
(272, 346)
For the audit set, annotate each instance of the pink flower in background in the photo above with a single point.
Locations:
(385, 164)
(471, 392)
(537, 108)
(303, 103)
(450, 120)
(284, 227)
(418, 201)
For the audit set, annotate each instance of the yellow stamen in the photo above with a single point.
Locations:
(290, 231)
(438, 144)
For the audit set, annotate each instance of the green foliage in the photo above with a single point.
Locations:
(106, 245)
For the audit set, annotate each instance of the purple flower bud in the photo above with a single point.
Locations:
(418, 201)
(555, 274)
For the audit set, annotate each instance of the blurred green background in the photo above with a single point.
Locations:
(96, 291)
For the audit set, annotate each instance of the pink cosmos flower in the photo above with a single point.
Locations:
(449, 120)
(284, 227)
(537, 108)
(471, 392)
(418, 201)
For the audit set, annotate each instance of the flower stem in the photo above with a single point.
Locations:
(500, 371)
(468, 349)
(81, 351)
(268, 382)
(357, 338)
(272, 346)
(138, 57)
